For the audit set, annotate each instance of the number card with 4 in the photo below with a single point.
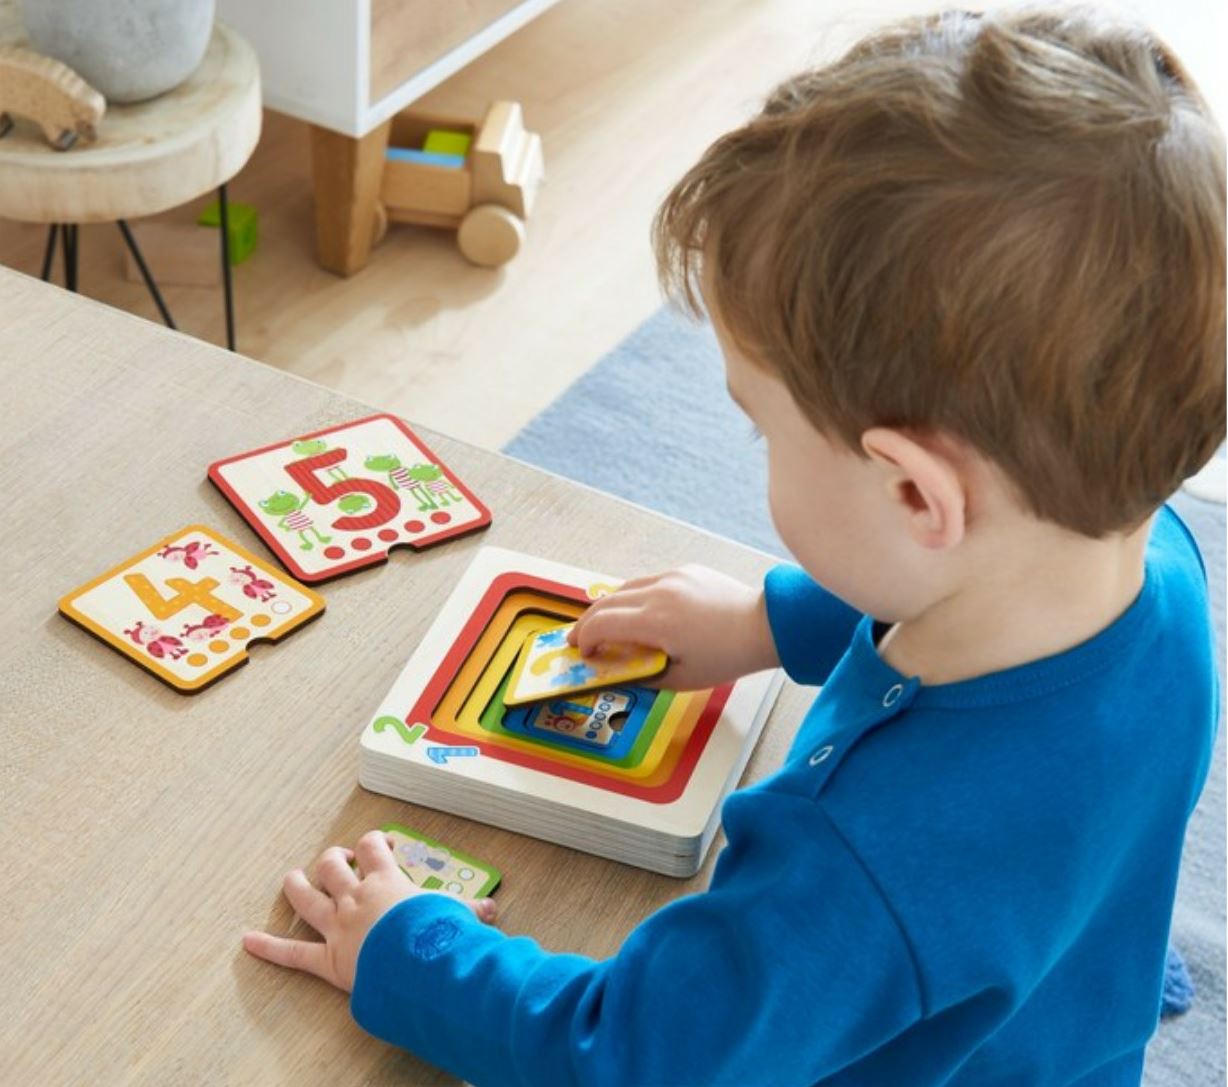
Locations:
(188, 607)
(339, 499)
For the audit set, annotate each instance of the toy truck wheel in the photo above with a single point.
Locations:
(380, 227)
(490, 235)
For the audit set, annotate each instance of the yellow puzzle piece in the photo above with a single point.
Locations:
(549, 667)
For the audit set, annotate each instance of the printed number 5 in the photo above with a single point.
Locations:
(387, 504)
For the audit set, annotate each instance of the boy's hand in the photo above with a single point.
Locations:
(344, 910)
(713, 627)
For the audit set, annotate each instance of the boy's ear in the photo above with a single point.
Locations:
(926, 484)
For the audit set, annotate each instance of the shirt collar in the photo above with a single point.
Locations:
(1034, 678)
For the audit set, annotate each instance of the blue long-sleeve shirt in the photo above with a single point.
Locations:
(964, 884)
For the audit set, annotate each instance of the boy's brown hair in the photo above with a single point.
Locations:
(1006, 227)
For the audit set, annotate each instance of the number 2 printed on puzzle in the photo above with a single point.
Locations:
(339, 499)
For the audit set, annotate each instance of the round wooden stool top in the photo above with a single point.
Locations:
(149, 156)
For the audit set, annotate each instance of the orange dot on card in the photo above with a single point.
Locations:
(239, 632)
(218, 646)
(261, 620)
(197, 659)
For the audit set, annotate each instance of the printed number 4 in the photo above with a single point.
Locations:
(187, 593)
(387, 504)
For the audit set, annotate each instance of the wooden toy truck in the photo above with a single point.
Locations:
(486, 200)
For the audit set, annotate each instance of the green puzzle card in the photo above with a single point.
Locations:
(434, 866)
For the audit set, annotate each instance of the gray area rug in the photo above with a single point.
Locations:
(656, 427)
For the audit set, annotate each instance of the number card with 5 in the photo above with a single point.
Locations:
(339, 499)
(188, 607)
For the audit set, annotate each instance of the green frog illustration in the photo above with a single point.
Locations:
(311, 447)
(353, 503)
(289, 509)
(426, 482)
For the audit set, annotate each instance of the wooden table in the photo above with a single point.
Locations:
(143, 831)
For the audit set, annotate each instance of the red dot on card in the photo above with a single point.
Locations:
(334, 552)
(414, 526)
(388, 534)
(360, 543)
(441, 518)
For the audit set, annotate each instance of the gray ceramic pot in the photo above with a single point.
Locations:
(129, 49)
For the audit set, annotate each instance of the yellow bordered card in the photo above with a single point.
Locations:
(187, 607)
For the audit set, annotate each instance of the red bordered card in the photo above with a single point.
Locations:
(339, 499)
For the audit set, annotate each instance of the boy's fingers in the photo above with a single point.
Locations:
(614, 625)
(634, 599)
(311, 904)
(374, 853)
(485, 909)
(599, 605)
(334, 872)
(637, 583)
(628, 593)
(304, 955)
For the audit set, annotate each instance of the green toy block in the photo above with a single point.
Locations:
(447, 142)
(244, 223)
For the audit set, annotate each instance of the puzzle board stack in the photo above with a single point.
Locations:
(629, 773)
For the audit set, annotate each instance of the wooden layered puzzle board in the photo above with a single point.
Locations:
(666, 750)
(187, 608)
(339, 499)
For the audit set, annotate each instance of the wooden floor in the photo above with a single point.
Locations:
(625, 93)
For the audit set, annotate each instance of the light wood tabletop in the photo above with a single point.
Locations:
(145, 830)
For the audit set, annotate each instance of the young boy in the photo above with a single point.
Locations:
(969, 284)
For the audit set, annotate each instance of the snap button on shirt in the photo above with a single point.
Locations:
(821, 754)
(893, 695)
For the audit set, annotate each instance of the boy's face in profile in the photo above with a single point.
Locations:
(833, 509)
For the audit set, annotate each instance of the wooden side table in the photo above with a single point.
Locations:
(148, 157)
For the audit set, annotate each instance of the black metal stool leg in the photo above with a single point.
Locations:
(146, 275)
(227, 288)
(49, 253)
(69, 244)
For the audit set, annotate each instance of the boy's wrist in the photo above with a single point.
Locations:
(760, 649)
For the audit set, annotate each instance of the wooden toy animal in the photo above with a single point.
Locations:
(49, 93)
